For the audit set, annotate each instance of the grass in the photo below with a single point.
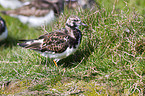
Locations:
(109, 61)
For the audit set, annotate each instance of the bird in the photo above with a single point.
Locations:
(13, 4)
(84, 4)
(37, 12)
(3, 29)
(58, 44)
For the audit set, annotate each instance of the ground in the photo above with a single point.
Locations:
(109, 61)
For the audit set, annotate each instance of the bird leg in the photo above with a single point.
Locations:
(55, 63)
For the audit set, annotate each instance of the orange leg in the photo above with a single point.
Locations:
(55, 63)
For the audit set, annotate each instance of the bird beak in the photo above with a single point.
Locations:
(84, 24)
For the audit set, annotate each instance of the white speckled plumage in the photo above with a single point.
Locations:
(58, 44)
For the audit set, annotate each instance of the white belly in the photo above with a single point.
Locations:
(59, 56)
(4, 35)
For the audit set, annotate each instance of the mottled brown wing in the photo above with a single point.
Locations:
(30, 10)
(56, 5)
(55, 42)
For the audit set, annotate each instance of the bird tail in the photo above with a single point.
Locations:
(4, 12)
(34, 44)
(9, 12)
(25, 43)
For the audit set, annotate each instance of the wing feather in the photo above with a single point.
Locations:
(55, 42)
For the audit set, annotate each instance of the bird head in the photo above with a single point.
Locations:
(74, 21)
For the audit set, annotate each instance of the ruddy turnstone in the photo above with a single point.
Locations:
(3, 30)
(80, 3)
(38, 12)
(58, 44)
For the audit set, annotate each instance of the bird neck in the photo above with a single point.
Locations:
(71, 30)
